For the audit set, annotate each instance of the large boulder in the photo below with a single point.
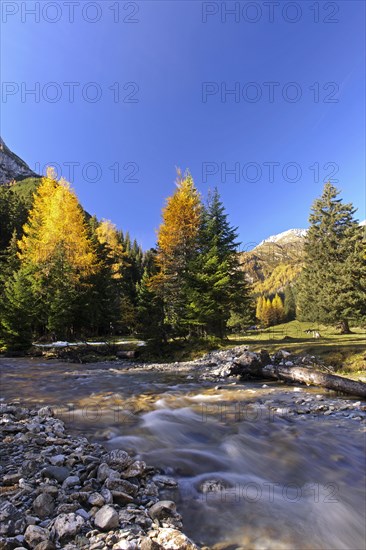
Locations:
(248, 363)
(239, 362)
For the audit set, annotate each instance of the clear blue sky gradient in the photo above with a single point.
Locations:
(169, 53)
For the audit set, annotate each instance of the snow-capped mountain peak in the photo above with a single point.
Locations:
(288, 235)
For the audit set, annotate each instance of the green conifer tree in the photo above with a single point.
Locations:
(150, 311)
(290, 303)
(17, 311)
(216, 284)
(332, 286)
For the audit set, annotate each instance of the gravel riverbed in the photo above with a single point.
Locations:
(60, 491)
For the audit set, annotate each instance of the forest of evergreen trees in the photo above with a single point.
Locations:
(67, 275)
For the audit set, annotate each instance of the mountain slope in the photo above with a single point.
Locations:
(275, 262)
(12, 167)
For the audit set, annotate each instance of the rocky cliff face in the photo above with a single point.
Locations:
(12, 167)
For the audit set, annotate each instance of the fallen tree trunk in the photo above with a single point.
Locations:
(315, 378)
(259, 365)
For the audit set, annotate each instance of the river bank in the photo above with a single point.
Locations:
(60, 491)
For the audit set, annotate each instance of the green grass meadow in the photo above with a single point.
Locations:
(346, 353)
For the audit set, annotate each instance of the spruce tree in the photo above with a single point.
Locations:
(150, 311)
(112, 301)
(15, 202)
(9, 260)
(290, 303)
(217, 287)
(132, 272)
(17, 311)
(332, 286)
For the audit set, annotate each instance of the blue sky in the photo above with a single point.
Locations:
(159, 72)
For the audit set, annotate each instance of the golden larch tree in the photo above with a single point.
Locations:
(56, 222)
(278, 309)
(177, 245)
(259, 308)
(181, 215)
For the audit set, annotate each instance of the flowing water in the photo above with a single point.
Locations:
(248, 478)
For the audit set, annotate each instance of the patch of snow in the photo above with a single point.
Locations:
(55, 345)
(60, 344)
